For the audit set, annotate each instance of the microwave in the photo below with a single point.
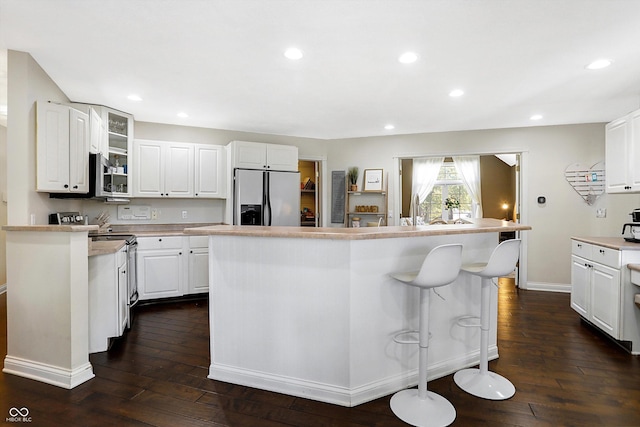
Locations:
(99, 167)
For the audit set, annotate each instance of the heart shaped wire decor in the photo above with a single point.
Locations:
(587, 181)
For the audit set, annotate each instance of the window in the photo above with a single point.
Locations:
(448, 184)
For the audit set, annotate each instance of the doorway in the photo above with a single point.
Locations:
(499, 179)
(310, 193)
(503, 180)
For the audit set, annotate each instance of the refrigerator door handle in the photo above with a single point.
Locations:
(266, 220)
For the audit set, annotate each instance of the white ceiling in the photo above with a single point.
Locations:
(222, 62)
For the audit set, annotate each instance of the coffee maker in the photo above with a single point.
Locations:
(634, 228)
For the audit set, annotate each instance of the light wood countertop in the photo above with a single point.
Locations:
(482, 225)
(616, 243)
(105, 247)
(51, 228)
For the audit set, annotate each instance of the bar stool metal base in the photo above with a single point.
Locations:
(488, 385)
(432, 411)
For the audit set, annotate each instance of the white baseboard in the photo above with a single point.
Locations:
(49, 374)
(549, 287)
(338, 395)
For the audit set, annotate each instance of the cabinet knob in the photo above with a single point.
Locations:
(179, 253)
(601, 251)
(579, 245)
(124, 272)
(190, 252)
(159, 240)
(75, 187)
(66, 186)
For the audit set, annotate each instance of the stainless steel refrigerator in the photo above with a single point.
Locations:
(266, 198)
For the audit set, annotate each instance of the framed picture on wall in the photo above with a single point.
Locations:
(373, 180)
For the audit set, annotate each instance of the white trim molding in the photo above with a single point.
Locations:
(548, 287)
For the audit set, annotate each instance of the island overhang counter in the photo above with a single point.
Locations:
(312, 312)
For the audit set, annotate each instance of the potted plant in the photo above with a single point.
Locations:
(353, 178)
(450, 203)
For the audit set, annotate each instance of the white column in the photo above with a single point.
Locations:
(47, 305)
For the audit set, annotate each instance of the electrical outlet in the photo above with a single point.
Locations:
(601, 213)
(184, 214)
(154, 213)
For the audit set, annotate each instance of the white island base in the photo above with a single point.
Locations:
(315, 316)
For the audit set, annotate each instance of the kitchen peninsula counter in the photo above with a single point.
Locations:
(311, 312)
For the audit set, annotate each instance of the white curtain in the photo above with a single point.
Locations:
(468, 168)
(425, 174)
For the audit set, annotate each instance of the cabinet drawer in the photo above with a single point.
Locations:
(198, 242)
(606, 256)
(159, 242)
(581, 249)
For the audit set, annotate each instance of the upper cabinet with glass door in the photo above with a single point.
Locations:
(119, 127)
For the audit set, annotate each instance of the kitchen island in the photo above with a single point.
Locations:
(312, 312)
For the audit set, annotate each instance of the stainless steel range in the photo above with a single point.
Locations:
(132, 275)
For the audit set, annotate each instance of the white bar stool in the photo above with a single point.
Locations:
(422, 407)
(482, 382)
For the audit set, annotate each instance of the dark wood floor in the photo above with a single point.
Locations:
(565, 373)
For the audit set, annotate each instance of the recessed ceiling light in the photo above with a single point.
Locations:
(456, 92)
(599, 63)
(536, 117)
(134, 97)
(293, 53)
(183, 115)
(408, 57)
(389, 127)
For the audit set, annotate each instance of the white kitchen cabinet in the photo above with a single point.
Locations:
(161, 270)
(108, 298)
(179, 175)
(148, 169)
(622, 154)
(163, 169)
(257, 155)
(98, 142)
(98, 131)
(62, 149)
(601, 289)
(580, 285)
(198, 281)
(209, 171)
(111, 135)
(595, 286)
(119, 138)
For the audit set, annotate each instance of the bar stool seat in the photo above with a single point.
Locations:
(481, 382)
(422, 407)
